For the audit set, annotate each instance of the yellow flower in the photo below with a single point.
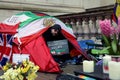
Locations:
(25, 69)
(20, 77)
(19, 70)
(16, 78)
(32, 76)
(5, 68)
(36, 68)
(24, 63)
(31, 63)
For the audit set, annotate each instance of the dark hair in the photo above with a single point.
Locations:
(56, 27)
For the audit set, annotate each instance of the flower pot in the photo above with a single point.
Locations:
(115, 58)
(111, 65)
(114, 65)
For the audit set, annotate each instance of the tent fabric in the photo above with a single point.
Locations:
(29, 39)
(75, 44)
(24, 18)
(27, 17)
(37, 25)
(10, 29)
(25, 40)
(30, 29)
(39, 54)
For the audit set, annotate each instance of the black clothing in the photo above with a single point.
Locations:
(56, 27)
(49, 37)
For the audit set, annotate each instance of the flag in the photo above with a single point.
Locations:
(9, 29)
(6, 36)
(5, 48)
(116, 11)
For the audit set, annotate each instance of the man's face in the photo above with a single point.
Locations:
(54, 32)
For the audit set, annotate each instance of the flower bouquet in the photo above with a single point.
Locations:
(26, 70)
(111, 36)
(111, 40)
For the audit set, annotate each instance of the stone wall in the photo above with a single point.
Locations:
(50, 7)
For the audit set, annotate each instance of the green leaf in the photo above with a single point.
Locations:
(106, 40)
(105, 50)
(114, 46)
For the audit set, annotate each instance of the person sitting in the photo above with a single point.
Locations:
(53, 33)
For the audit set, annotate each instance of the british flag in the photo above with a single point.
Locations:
(5, 48)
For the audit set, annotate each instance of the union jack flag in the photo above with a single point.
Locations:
(5, 48)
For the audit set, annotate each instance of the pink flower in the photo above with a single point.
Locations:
(106, 28)
(117, 30)
(113, 30)
(111, 36)
(119, 21)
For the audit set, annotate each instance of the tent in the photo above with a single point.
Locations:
(22, 33)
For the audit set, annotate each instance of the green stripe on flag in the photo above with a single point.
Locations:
(32, 18)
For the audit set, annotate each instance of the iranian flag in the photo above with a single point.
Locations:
(30, 24)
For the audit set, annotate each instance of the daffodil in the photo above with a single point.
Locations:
(36, 68)
(24, 63)
(5, 68)
(31, 76)
(26, 69)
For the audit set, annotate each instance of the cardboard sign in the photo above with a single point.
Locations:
(19, 57)
(58, 47)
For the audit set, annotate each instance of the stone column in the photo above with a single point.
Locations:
(72, 22)
(93, 29)
(98, 38)
(97, 24)
(85, 25)
(79, 29)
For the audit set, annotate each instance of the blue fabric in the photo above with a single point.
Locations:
(3, 61)
(83, 44)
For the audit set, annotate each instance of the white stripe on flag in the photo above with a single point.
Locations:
(37, 25)
(15, 19)
(31, 28)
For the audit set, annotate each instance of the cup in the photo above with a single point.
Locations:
(114, 70)
(88, 66)
(106, 59)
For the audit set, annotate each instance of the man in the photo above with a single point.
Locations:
(55, 30)
(53, 33)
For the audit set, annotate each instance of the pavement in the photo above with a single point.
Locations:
(67, 69)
